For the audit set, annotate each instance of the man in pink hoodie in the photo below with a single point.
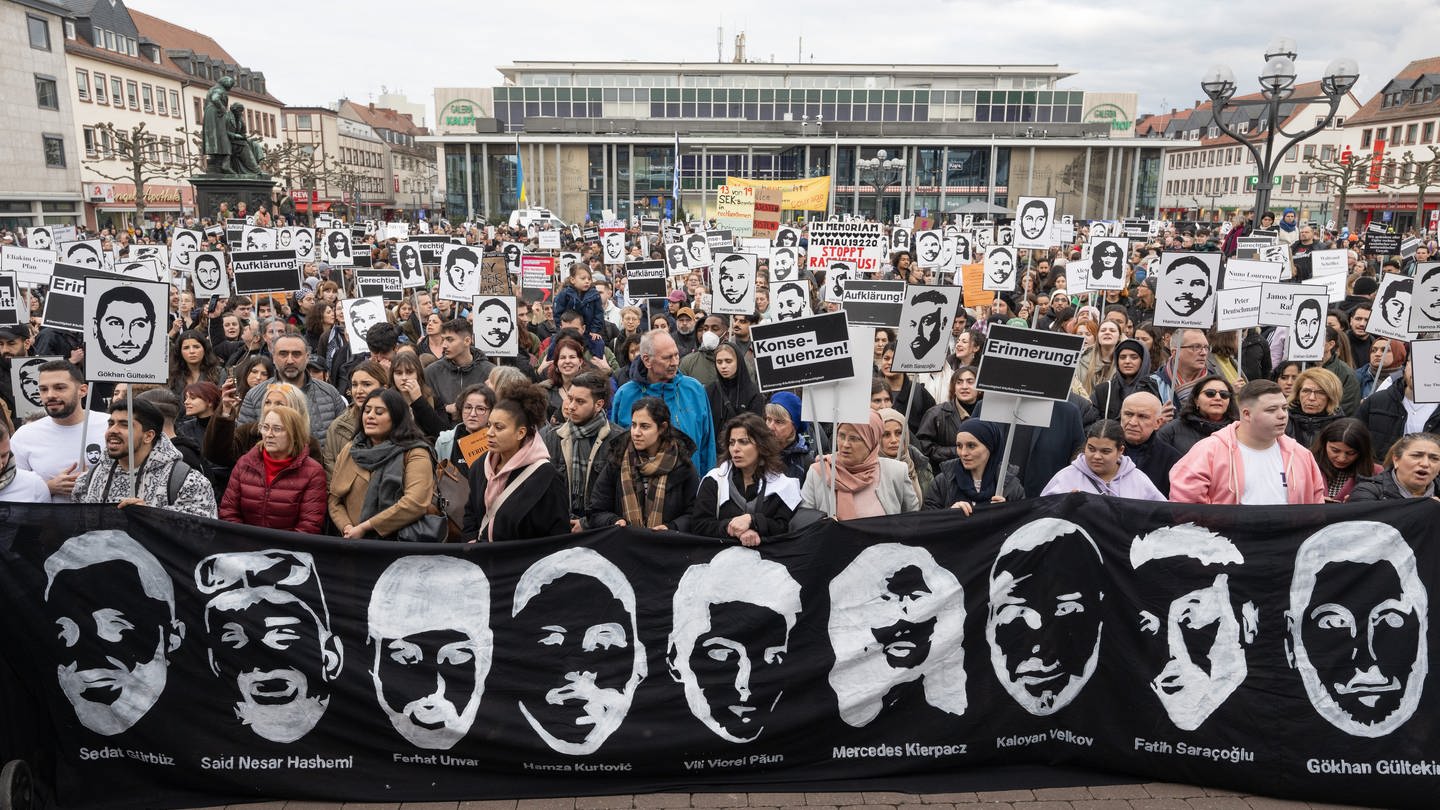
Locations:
(1252, 461)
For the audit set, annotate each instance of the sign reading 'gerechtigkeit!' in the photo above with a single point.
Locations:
(1028, 362)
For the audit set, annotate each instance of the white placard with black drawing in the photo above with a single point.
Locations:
(159, 253)
(733, 277)
(924, 338)
(183, 247)
(411, 265)
(836, 274)
(459, 273)
(676, 259)
(1390, 317)
(784, 264)
(999, 269)
(513, 252)
(40, 237)
(125, 330)
(697, 251)
(1106, 268)
(494, 325)
(785, 236)
(25, 382)
(930, 248)
(564, 262)
(1277, 301)
(1306, 341)
(1185, 294)
(612, 245)
(1425, 300)
(87, 254)
(1032, 223)
(32, 266)
(359, 314)
(336, 249)
(138, 269)
(1425, 356)
(789, 299)
(301, 240)
(208, 276)
(257, 238)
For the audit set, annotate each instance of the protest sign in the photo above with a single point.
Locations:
(734, 283)
(359, 314)
(537, 272)
(208, 277)
(254, 238)
(549, 239)
(1248, 273)
(647, 279)
(1000, 272)
(835, 277)
(495, 325)
(1391, 316)
(1237, 308)
(460, 272)
(1306, 338)
(410, 264)
(384, 284)
(766, 220)
(31, 266)
(141, 269)
(735, 209)
(25, 384)
(873, 302)
(1028, 362)
(924, 337)
(12, 310)
(87, 253)
(789, 299)
(1425, 302)
(1185, 294)
(1426, 370)
(184, 244)
(972, 280)
(1106, 265)
(1382, 244)
(125, 330)
(861, 244)
(612, 245)
(803, 351)
(337, 250)
(1034, 216)
(495, 276)
(265, 271)
(65, 303)
(1277, 301)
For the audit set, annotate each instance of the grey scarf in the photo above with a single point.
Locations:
(583, 438)
(386, 463)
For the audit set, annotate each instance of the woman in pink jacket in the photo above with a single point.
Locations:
(1102, 468)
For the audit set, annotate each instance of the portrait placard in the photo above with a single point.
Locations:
(1306, 340)
(1425, 302)
(1185, 293)
(1106, 268)
(1033, 216)
(564, 262)
(1277, 301)
(25, 383)
(411, 265)
(786, 236)
(336, 249)
(257, 238)
(460, 272)
(208, 276)
(139, 269)
(359, 314)
(513, 253)
(1426, 370)
(612, 246)
(160, 253)
(1000, 268)
(836, 275)
(1391, 314)
(301, 240)
(733, 279)
(86, 253)
(930, 248)
(493, 319)
(41, 237)
(924, 337)
(790, 299)
(125, 330)
(184, 244)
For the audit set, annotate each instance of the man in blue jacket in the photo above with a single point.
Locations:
(657, 374)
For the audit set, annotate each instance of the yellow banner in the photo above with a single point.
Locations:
(811, 194)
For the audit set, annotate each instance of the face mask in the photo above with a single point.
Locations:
(709, 340)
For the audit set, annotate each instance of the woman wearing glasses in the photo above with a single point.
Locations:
(278, 484)
(1211, 408)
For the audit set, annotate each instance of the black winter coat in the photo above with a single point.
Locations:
(1384, 413)
(680, 487)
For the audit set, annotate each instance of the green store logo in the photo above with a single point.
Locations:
(460, 113)
(1110, 114)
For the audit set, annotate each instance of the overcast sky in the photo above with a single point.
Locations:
(322, 52)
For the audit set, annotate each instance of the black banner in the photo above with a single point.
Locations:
(156, 660)
(1382, 244)
(265, 271)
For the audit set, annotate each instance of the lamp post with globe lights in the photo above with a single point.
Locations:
(1277, 88)
(880, 172)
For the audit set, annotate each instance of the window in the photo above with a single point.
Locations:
(107, 144)
(82, 84)
(39, 32)
(1287, 184)
(302, 121)
(1304, 184)
(117, 91)
(1309, 153)
(1427, 132)
(148, 94)
(132, 94)
(1364, 139)
(130, 46)
(69, 29)
(175, 103)
(1410, 133)
(100, 82)
(47, 95)
(160, 101)
(109, 40)
(1327, 152)
(1290, 155)
(54, 151)
(89, 141)
(1338, 123)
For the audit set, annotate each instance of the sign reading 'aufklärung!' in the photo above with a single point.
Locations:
(1028, 362)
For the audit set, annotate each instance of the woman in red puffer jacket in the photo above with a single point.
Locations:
(277, 484)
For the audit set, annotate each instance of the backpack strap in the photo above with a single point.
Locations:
(179, 471)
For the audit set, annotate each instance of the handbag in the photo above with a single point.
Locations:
(426, 529)
(452, 490)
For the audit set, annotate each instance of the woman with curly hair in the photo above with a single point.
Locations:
(748, 497)
(515, 491)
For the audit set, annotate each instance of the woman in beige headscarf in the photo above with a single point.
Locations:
(895, 443)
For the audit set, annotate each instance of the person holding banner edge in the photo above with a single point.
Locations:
(971, 478)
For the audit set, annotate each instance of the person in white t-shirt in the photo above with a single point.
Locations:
(1251, 461)
(17, 485)
(52, 445)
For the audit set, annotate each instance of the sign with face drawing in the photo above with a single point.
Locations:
(125, 339)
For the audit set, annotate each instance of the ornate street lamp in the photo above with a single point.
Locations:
(1277, 87)
(880, 172)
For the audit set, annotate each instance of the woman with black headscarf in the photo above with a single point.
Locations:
(973, 476)
(733, 392)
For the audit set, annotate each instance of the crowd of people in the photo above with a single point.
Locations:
(647, 413)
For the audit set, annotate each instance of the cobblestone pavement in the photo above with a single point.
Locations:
(1153, 796)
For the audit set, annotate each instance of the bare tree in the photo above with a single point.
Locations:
(1422, 174)
(1342, 174)
(139, 154)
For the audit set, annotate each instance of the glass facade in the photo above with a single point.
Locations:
(514, 104)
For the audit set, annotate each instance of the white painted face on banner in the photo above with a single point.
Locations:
(733, 278)
(896, 616)
(1198, 638)
(1308, 323)
(730, 638)
(112, 608)
(578, 611)
(431, 655)
(1357, 626)
(363, 315)
(182, 246)
(1044, 623)
(927, 248)
(208, 272)
(125, 324)
(83, 255)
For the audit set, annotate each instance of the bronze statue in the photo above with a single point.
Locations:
(215, 133)
(245, 152)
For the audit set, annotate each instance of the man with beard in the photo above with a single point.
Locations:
(124, 325)
(792, 300)
(431, 655)
(927, 248)
(1000, 269)
(1044, 620)
(685, 338)
(1308, 322)
(730, 636)
(292, 355)
(928, 321)
(578, 611)
(1196, 625)
(304, 242)
(139, 430)
(1035, 221)
(52, 446)
(112, 607)
(182, 247)
(495, 324)
(268, 632)
(209, 272)
(897, 620)
(1356, 627)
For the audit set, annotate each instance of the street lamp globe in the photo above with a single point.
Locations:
(1340, 76)
(1277, 80)
(1218, 83)
(1281, 46)
(881, 154)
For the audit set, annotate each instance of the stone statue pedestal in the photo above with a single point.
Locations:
(213, 189)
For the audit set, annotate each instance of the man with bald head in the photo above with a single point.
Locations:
(1140, 418)
(658, 375)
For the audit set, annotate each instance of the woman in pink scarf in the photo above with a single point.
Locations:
(865, 484)
(515, 492)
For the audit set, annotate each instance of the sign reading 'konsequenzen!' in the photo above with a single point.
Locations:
(1028, 362)
(803, 351)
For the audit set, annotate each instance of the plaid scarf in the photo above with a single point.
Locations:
(642, 485)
